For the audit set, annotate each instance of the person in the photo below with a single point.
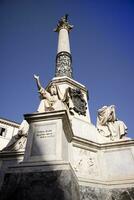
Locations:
(18, 142)
(51, 99)
(108, 125)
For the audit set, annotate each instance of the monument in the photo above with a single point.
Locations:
(58, 154)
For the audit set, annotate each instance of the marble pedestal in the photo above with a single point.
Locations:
(40, 181)
(45, 172)
(58, 163)
(48, 138)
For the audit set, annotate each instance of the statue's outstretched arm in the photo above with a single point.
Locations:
(37, 82)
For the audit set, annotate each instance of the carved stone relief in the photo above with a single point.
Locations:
(75, 101)
(63, 64)
(85, 162)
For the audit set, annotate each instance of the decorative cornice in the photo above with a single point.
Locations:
(9, 123)
(11, 154)
(63, 24)
(70, 81)
(78, 141)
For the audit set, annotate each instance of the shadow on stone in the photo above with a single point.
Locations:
(58, 185)
(38, 180)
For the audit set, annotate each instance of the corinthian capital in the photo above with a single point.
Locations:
(63, 24)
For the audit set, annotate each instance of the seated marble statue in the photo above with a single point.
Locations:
(51, 99)
(108, 125)
(18, 142)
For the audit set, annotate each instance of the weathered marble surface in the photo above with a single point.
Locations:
(56, 185)
(48, 135)
(109, 126)
(52, 185)
(90, 193)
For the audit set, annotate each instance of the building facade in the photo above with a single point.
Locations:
(7, 130)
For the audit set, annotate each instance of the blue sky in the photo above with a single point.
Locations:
(102, 46)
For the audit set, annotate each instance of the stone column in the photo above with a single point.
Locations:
(63, 58)
(63, 41)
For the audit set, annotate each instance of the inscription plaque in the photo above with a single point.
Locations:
(43, 132)
(44, 139)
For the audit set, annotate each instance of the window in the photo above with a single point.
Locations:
(2, 132)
